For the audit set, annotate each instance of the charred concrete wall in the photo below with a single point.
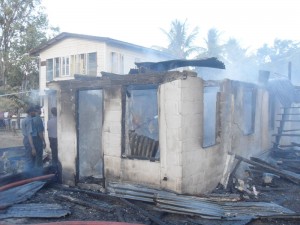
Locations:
(118, 167)
(188, 167)
(184, 166)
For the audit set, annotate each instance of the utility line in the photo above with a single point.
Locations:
(16, 93)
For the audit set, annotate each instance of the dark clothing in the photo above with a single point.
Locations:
(28, 152)
(38, 144)
(38, 125)
(38, 128)
(54, 151)
(26, 131)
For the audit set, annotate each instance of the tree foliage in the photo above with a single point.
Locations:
(180, 40)
(23, 26)
(212, 47)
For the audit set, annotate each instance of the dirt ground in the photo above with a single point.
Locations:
(122, 212)
(9, 138)
(285, 193)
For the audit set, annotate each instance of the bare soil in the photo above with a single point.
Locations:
(10, 138)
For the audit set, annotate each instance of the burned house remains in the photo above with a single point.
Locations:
(170, 130)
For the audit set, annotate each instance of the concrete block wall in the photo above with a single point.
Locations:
(256, 142)
(112, 132)
(201, 167)
(170, 135)
(116, 167)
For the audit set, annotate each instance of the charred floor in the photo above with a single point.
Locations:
(266, 193)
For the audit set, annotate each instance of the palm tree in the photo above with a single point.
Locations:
(213, 47)
(233, 52)
(180, 42)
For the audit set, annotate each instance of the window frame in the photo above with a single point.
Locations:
(125, 134)
(253, 91)
(217, 117)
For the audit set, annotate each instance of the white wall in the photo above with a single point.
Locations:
(130, 57)
(117, 168)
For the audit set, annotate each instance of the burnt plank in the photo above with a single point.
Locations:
(147, 149)
(144, 212)
(139, 145)
(295, 178)
(143, 146)
(85, 203)
(154, 149)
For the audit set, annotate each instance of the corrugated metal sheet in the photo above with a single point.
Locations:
(200, 206)
(19, 194)
(35, 210)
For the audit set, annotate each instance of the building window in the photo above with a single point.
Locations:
(249, 102)
(141, 122)
(49, 69)
(114, 62)
(82, 64)
(92, 64)
(121, 64)
(272, 112)
(65, 67)
(56, 67)
(210, 116)
(117, 63)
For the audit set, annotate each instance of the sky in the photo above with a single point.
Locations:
(251, 22)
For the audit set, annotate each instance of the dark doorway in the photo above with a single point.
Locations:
(90, 155)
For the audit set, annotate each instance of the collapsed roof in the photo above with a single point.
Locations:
(177, 63)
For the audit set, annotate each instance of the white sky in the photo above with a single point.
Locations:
(251, 22)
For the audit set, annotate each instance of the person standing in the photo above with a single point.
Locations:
(52, 135)
(26, 128)
(38, 136)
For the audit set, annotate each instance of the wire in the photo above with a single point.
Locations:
(16, 93)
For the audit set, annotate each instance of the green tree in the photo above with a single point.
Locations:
(23, 26)
(212, 48)
(233, 52)
(180, 40)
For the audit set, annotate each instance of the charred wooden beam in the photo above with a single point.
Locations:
(295, 178)
(96, 194)
(145, 213)
(82, 202)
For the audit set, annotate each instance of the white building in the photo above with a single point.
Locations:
(68, 54)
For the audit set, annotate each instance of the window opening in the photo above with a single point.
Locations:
(210, 101)
(141, 122)
(249, 101)
(49, 69)
(57, 67)
(92, 64)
